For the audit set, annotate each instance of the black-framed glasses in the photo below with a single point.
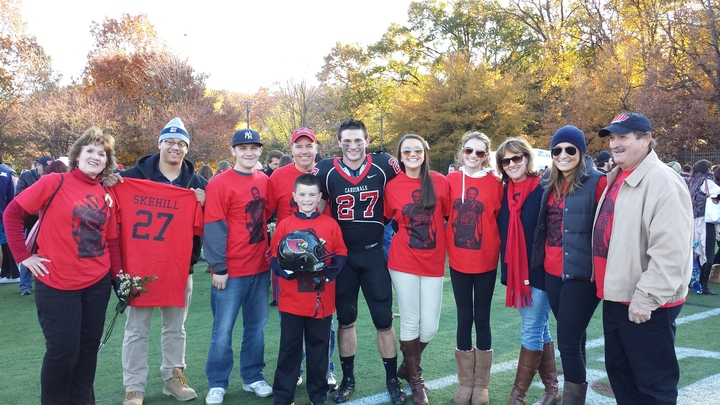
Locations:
(406, 151)
(180, 144)
(479, 153)
(515, 159)
(570, 150)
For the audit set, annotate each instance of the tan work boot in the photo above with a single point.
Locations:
(133, 398)
(176, 386)
(715, 274)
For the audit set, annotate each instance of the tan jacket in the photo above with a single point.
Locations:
(650, 254)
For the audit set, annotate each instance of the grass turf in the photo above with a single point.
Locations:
(22, 349)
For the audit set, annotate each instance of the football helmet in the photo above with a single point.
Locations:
(303, 251)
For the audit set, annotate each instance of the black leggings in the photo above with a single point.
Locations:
(709, 252)
(481, 286)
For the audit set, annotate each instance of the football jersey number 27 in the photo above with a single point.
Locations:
(140, 231)
(346, 205)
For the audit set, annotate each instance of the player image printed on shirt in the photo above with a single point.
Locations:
(88, 221)
(421, 227)
(467, 226)
(603, 226)
(254, 220)
(553, 223)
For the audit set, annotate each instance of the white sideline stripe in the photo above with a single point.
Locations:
(688, 395)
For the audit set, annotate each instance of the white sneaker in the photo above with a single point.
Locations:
(215, 396)
(9, 280)
(299, 381)
(332, 381)
(260, 388)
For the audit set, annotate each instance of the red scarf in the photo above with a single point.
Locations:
(516, 256)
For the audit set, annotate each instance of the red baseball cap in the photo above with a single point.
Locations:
(303, 132)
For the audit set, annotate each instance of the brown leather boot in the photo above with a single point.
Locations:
(483, 362)
(402, 372)
(528, 364)
(574, 394)
(411, 357)
(548, 374)
(465, 360)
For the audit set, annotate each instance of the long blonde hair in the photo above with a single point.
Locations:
(480, 137)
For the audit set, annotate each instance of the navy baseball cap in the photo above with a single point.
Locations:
(625, 123)
(243, 136)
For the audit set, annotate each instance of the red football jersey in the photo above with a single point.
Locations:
(240, 202)
(280, 187)
(419, 245)
(157, 225)
(473, 239)
(74, 233)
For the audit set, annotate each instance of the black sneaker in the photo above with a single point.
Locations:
(347, 387)
(394, 388)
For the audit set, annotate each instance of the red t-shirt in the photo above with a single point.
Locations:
(473, 240)
(554, 225)
(74, 231)
(298, 297)
(157, 224)
(280, 187)
(419, 245)
(240, 201)
(602, 231)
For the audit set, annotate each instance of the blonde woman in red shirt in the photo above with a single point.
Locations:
(418, 200)
(473, 244)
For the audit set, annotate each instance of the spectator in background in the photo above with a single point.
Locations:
(701, 185)
(272, 161)
(686, 172)
(10, 272)
(222, 166)
(675, 166)
(284, 161)
(205, 171)
(715, 270)
(642, 256)
(604, 162)
(452, 168)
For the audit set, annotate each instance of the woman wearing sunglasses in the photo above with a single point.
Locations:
(473, 244)
(418, 200)
(517, 220)
(563, 247)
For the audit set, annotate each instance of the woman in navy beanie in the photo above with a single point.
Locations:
(563, 246)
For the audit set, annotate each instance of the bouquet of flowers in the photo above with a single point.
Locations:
(271, 228)
(127, 287)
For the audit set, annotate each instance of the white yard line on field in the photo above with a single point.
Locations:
(708, 389)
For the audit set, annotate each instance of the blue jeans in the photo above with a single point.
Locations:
(25, 279)
(251, 294)
(535, 330)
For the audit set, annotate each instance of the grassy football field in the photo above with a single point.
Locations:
(22, 348)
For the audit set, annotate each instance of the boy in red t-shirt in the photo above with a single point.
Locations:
(307, 298)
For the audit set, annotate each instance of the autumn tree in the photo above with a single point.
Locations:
(24, 67)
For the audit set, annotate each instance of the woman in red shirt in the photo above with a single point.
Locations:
(473, 244)
(78, 248)
(418, 200)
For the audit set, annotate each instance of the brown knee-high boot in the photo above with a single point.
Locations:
(548, 374)
(528, 364)
(483, 362)
(411, 358)
(465, 360)
(402, 372)
(574, 394)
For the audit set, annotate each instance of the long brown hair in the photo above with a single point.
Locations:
(557, 178)
(427, 189)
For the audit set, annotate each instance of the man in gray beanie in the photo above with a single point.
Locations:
(168, 166)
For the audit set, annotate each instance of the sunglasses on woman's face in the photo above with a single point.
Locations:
(570, 150)
(469, 151)
(406, 151)
(515, 159)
